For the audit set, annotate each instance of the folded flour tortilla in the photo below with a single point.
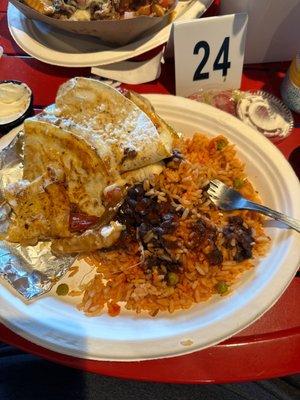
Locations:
(105, 116)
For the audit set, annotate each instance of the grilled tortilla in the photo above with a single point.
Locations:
(132, 140)
(40, 209)
(47, 145)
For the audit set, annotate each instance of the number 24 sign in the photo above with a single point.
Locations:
(209, 53)
(218, 65)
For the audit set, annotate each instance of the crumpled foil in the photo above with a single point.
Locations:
(31, 270)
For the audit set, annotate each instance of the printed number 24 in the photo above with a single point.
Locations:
(218, 65)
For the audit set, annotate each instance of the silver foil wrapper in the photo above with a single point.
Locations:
(31, 270)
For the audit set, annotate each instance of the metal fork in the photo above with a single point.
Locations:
(229, 199)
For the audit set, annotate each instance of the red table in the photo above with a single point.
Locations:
(268, 348)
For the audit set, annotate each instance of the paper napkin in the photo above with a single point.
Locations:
(131, 72)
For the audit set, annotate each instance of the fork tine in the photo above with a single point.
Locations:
(214, 183)
(215, 201)
(218, 184)
(212, 194)
(212, 190)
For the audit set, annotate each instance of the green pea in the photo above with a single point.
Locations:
(62, 289)
(221, 144)
(172, 279)
(238, 183)
(222, 287)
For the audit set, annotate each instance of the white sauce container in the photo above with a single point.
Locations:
(16, 104)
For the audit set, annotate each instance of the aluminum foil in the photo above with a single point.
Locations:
(31, 270)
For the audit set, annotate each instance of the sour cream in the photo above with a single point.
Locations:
(14, 101)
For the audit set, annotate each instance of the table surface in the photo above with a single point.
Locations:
(268, 348)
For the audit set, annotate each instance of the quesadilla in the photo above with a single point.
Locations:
(95, 141)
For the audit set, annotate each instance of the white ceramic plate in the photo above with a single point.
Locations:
(57, 325)
(52, 46)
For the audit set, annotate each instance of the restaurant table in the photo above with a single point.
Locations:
(268, 348)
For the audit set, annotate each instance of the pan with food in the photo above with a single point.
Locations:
(114, 22)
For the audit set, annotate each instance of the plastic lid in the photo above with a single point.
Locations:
(266, 113)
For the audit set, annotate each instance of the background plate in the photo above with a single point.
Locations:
(57, 325)
(52, 46)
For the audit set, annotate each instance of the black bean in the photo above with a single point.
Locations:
(143, 229)
(175, 154)
(158, 231)
(132, 203)
(174, 161)
(170, 223)
(242, 237)
(235, 220)
(215, 257)
(136, 191)
(200, 227)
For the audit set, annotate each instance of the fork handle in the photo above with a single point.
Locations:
(292, 222)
